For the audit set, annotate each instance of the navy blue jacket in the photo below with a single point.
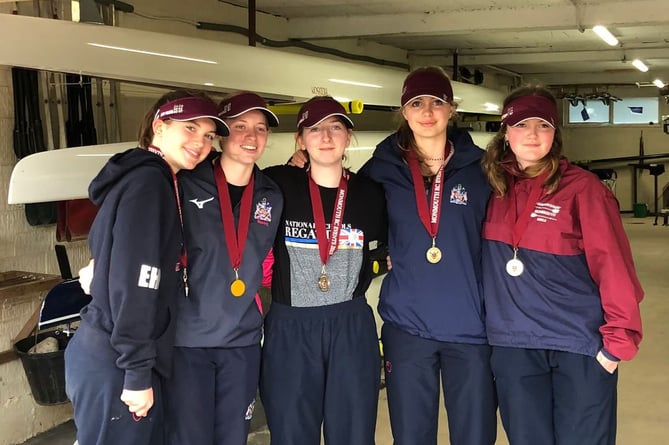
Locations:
(136, 241)
(211, 317)
(440, 301)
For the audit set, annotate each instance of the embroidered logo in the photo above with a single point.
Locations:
(149, 277)
(459, 195)
(263, 213)
(200, 204)
(303, 118)
(225, 109)
(544, 212)
(177, 109)
(508, 113)
(249, 411)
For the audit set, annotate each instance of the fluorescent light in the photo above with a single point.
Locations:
(358, 84)
(605, 35)
(151, 53)
(658, 83)
(490, 106)
(638, 64)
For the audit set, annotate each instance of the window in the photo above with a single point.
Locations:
(636, 110)
(593, 112)
(631, 110)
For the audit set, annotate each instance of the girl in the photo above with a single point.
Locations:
(562, 296)
(231, 215)
(431, 301)
(122, 349)
(321, 361)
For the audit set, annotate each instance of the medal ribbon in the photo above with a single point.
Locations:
(521, 221)
(183, 259)
(429, 217)
(235, 241)
(319, 217)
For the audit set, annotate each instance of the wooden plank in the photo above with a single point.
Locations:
(7, 356)
(16, 283)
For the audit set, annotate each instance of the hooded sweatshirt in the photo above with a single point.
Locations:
(441, 301)
(136, 242)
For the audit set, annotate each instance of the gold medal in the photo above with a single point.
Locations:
(237, 288)
(323, 282)
(433, 255)
(375, 267)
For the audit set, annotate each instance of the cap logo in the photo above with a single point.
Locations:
(176, 109)
(508, 113)
(226, 109)
(303, 118)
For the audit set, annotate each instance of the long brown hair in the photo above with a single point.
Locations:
(498, 162)
(405, 138)
(145, 133)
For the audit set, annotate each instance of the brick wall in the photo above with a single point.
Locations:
(27, 248)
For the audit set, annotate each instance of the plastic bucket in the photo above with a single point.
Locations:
(45, 372)
(640, 210)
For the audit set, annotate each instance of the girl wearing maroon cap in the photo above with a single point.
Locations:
(321, 365)
(231, 213)
(122, 351)
(431, 304)
(561, 293)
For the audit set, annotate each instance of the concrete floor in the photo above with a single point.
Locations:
(643, 397)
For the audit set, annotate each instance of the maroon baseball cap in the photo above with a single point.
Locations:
(238, 104)
(530, 107)
(426, 83)
(191, 108)
(317, 110)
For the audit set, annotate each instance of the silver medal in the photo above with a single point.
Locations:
(514, 267)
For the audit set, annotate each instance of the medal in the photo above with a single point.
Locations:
(237, 288)
(514, 266)
(429, 216)
(327, 246)
(323, 282)
(234, 240)
(519, 223)
(433, 254)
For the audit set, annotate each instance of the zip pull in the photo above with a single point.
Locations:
(184, 276)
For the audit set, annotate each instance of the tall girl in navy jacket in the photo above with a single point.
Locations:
(431, 302)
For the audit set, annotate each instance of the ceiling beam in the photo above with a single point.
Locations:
(527, 18)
